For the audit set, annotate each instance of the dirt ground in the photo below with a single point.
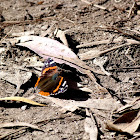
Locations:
(82, 22)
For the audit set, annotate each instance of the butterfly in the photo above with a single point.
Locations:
(50, 83)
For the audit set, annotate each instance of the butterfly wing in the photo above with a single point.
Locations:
(49, 83)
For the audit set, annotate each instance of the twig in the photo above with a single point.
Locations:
(68, 20)
(131, 41)
(130, 12)
(24, 129)
(21, 130)
(95, 5)
(133, 91)
(87, 2)
(128, 56)
(99, 6)
(48, 31)
(136, 67)
(9, 23)
(121, 31)
(7, 34)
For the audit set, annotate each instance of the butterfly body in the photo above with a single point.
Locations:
(50, 83)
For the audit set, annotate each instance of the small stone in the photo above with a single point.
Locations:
(24, 107)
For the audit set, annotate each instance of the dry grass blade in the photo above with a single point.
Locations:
(24, 128)
(95, 5)
(20, 130)
(131, 9)
(21, 99)
(7, 34)
(96, 53)
(15, 124)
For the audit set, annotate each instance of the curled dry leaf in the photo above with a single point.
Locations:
(61, 34)
(21, 99)
(128, 122)
(14, 124)
(100, 61)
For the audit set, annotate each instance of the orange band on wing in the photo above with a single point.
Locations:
(37, 82)
(44, 93)
(50, 68)
(57, 88)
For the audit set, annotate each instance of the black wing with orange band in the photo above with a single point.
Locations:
(50, 83)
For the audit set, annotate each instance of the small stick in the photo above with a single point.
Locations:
(7, 34)
(136, 67)
(130, 12)
(131, 41)
(95, 5)
(121, 31)
(9, 23)
(128, 56)
(99, 6)
(87, 2)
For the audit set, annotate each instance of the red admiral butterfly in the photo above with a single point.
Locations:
(50, 83)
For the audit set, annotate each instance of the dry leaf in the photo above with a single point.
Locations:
(128, 122)
(46, 47)
(71, 105)
(100, 61)
(61, 34)
(15, 98)
(97, 53)
(14, 124)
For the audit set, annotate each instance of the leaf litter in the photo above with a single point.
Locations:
(108, 104)
(44, 47)
(102, 104)
(128, 122)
